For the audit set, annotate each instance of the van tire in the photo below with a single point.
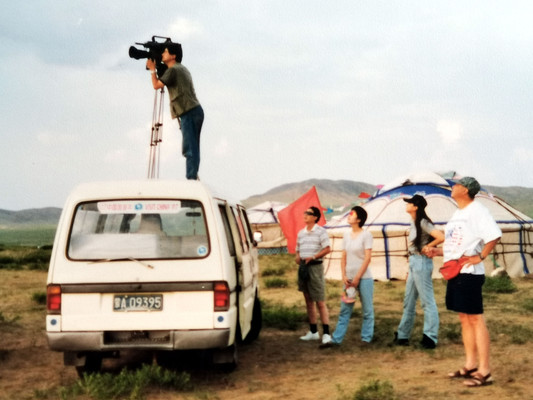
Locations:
(225, 359)
(93, 364)
(257, 322)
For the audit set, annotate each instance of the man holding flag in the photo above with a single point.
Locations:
(313, 244)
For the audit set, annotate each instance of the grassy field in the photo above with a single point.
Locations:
(31, 236)
(278, 364)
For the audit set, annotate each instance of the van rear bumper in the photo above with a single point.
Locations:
(155, 340)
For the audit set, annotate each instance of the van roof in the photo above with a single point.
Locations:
(142, 188)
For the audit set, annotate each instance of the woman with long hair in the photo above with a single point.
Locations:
(422, 237)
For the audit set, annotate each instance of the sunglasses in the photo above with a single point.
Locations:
(309, 213)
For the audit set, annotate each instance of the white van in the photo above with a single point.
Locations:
(151, 265)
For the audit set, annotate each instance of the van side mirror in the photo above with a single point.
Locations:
(258, 236)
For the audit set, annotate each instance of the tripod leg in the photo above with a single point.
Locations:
(156, 135)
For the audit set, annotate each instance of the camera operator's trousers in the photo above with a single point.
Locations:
(191, 126)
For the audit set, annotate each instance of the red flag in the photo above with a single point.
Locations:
(291, 218)
(364, 195)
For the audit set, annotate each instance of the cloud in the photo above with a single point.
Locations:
(184, 28)
(523, 155)
(47, 138)
(222, 148)
(118, 156)
(451, 132)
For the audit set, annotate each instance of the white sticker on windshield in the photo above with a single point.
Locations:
(136, 206)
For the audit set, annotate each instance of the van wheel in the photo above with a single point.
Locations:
(257, 322)
(93, 364)
(226, 359)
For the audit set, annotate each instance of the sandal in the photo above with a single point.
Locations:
(479, 380)
(462, 373)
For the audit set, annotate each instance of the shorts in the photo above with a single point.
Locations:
(464, 294)
(315, 286)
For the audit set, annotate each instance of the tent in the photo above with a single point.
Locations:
(264, 219)
(389, 223)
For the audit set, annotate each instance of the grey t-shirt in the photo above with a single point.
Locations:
(427, 228)
(178, 81)
(355, 253)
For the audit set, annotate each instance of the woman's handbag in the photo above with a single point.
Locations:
(450, 269)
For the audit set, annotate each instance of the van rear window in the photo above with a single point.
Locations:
(139, 229)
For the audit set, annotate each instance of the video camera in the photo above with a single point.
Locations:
(155, 51)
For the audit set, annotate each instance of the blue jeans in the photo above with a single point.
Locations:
(191, 126)
(366, 293)
(419, 284)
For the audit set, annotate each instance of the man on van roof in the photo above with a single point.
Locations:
(183, 104)
(313, 244)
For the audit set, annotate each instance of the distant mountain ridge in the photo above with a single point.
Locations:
(336, 193)
(48, 216)
(332, 193)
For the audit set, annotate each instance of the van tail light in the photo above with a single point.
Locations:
(53, 299)
(221, 292)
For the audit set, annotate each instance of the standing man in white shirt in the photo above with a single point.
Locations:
(471, 233)
(313, 244)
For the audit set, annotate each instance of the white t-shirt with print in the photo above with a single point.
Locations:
(466, 234)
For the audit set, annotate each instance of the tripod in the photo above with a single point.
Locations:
(156, 134)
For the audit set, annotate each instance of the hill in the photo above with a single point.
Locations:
(330, 192)
(336, 193)
(48, 216)
(519, 197)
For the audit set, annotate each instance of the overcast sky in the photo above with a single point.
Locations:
(292, 90)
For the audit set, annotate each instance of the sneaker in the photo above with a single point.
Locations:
(326, 338)
(310, 336)
(427, 342)
(328, 345)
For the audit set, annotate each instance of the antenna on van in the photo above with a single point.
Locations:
(156, 134)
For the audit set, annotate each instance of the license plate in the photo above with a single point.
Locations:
(138, 302)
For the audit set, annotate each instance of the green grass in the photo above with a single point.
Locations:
(131, 385)
(34, 236)
(375, 390)
(276, 283)
(527, 304)
(500, 284)
(25, 257)
(272, 272)
(282, 317)
(7, 321)
(39, 298)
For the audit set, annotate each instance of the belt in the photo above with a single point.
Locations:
(314, 262)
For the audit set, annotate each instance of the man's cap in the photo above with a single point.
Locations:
(471, 184)
(418, 201)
